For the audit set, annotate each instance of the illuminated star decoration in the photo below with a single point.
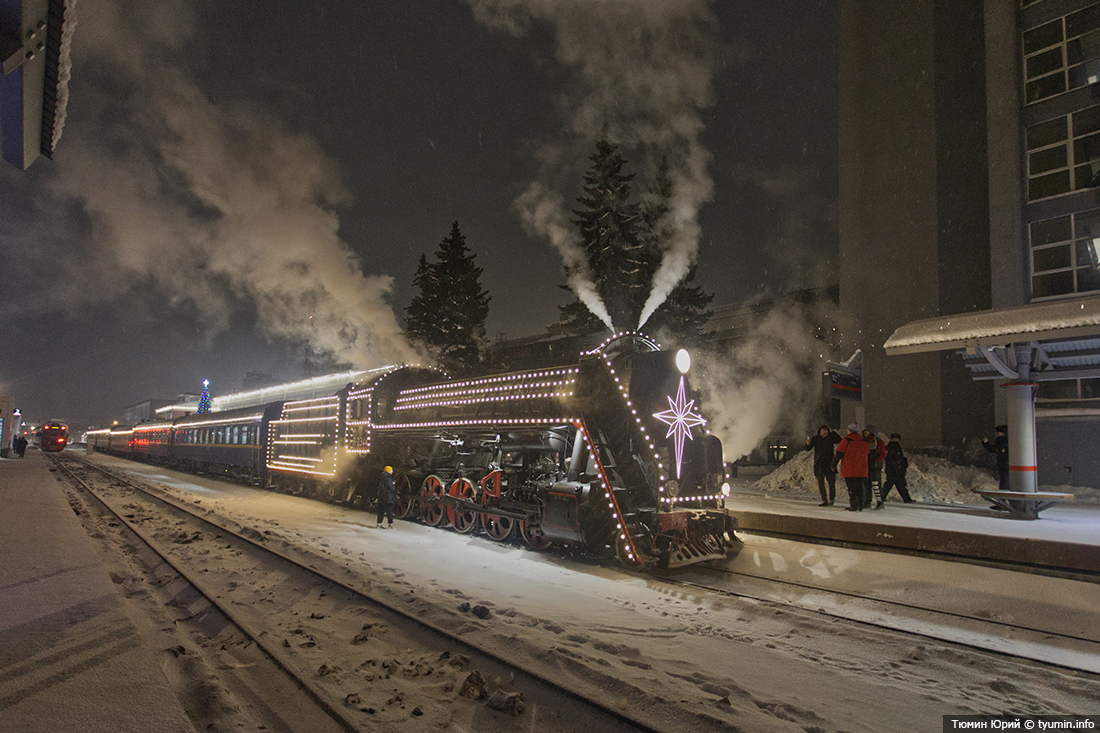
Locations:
(680, 420)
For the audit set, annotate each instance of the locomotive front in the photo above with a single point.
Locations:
(661, 472)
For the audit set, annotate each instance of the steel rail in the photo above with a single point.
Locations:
(540, 678)
(255, 637)
(943, 638)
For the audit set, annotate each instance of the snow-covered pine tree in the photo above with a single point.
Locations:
(448, 315)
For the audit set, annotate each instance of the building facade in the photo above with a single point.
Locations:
(969, 179)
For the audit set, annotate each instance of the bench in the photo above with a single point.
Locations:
(1024, 504)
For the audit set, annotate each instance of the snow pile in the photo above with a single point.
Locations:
(933, 480)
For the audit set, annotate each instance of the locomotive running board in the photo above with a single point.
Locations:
(690, 552)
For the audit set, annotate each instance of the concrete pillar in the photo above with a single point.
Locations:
(1022, 470)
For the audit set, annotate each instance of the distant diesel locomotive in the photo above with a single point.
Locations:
(607, 454)
(53, 437)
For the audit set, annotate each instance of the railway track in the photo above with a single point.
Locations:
(411, 674)
(1051, 643)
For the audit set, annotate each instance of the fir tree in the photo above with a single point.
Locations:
(421, 317)
(612, 234)
(448, 314)
(624, 243)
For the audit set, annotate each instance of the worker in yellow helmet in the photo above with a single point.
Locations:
(387, 493)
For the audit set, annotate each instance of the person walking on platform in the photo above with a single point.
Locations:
(21, 446)
(387, 494)
(876, 455)
(999, 446)
(851, 456)
(823, 444)
(896, 465)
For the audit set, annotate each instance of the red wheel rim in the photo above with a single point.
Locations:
(498, 528)
(463, 521)
(494, 526)
(533, 535)
(431, 513)
(403, 503)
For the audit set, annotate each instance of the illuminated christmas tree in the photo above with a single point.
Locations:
(204, 398)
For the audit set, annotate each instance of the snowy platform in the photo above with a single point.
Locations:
(1065, 537)
(71, 657)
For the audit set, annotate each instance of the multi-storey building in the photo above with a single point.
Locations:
(969, 165)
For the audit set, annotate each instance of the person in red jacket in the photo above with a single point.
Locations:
(851, 456)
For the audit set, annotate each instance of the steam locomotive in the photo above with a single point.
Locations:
(53, 437)
(607, 453)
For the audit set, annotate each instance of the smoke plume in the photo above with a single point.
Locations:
(218, 205)
(641, 70)
(543, 213)
(766, 382)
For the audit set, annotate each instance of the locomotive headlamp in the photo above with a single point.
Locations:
(673, 487)
(683, 361)
(726, 489)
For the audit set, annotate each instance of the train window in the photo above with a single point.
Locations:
(237, 434)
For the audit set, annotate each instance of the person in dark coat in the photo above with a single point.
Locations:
(999, 446)
(875, 458)
(387, 494)
(823, 444)
(896, 465)
(21, 446)
(851, 456)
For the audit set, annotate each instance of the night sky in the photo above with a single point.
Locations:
(228, 170)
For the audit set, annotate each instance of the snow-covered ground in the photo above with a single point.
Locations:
(726, 662)
(930, 480)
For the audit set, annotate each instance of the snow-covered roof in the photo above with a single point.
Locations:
(1060, 319)
(322, 386)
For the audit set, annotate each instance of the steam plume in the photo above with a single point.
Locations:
(763, 383)
(642, 70)
(543, 213)
(218, 205)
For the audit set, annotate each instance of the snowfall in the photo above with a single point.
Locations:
(729, 662)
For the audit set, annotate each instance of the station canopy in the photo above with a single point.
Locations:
(1063, 336)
